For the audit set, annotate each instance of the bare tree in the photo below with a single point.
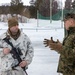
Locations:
(44, 7)
(68, 4)
(15, 2)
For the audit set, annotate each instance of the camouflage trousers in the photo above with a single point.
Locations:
(13, 72)
(68, 73)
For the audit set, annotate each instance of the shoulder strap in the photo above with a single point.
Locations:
(6, 39)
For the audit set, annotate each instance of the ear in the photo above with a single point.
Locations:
(72, 21)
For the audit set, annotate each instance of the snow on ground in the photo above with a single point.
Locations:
(45, 61)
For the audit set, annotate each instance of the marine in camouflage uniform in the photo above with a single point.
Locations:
(67, 57)
(9, 65)
(66, 50)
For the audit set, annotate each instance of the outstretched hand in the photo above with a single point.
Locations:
(47, 41)
(57, 46)
(53, 45)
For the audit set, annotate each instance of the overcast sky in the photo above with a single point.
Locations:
(26, 2)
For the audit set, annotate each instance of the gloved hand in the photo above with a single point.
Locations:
(57, 46)
(47, 41)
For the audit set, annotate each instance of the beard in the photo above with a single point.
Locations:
(14, 34)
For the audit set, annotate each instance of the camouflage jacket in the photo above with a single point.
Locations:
(67, 56)
(23, 42)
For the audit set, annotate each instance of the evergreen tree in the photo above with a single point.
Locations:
(43, 6)
(33, 9)
(16, 7)
(15, 2)
(36, 3)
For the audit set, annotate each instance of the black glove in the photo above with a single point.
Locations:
(47, 41)
(57, 46)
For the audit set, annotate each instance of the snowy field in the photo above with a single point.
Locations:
(45, 61)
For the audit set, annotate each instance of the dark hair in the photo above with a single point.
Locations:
(69, 15)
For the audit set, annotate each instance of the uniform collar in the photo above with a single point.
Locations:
(71, 30)
(15, 37)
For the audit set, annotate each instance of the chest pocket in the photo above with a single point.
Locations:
(73, 44)
(64, 41)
